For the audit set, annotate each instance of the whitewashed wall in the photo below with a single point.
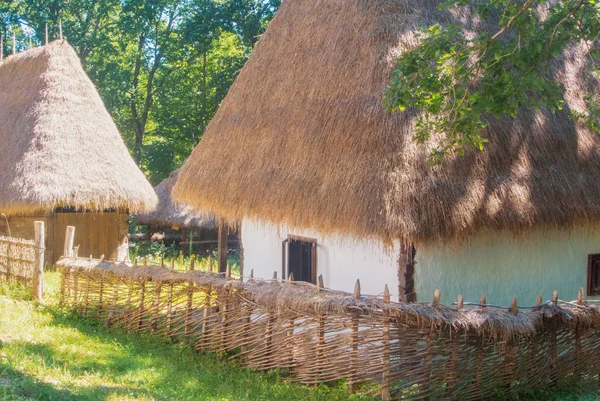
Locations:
(341, 260)
(503, 265)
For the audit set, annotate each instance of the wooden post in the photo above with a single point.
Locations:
(69, 239)
(436, 299)
(385, 376)
(222, 245)
(538, 301)
(514, 308)
(352, 379)
(553, 351)
(461, 303)
(578, 349)
(38, 264)
(205, 317)
(479, 350)
(158, 288)
(190, 300)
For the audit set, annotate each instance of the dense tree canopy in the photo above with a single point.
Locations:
(458, 82)
(162, 66)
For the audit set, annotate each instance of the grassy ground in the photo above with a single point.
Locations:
(48, 353)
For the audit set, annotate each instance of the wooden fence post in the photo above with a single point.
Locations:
(38, 264)
(553, 351)
(190, 300)
(69, 239)
(385, 376)
(352, 379)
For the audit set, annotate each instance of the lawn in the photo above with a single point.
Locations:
(49, 353)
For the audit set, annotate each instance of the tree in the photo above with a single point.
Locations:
(455, 82)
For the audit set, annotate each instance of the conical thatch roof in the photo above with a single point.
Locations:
(169, 213)
(58, 145)
(302, 137)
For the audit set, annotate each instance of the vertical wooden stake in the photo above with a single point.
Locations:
(321, 283)
(483, 301)
(580, 297)
(275, 276)
(514, 308)
(222, 245)
(436, 298)
(354, 327)
(555, 298)
(158, 289)
(461, 303)
(538, 301)
(69, 239)
(385, 376)
(205, 317)
(38, 272)
(251, 275)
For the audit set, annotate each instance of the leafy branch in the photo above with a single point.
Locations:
(457, 83)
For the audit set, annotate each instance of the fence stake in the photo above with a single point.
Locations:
(142, 300)
(479, 350)
(578, 351)
(352, 379)
(69, 239)
(275, 275)
(38, 271)
(514, 308)
(205, 316)
(190, 300)
(538, 301)
(321, 283)
(252, 275)
(436, 299)
(553, 343)
(461, 303)
(158, 289)
(385, 377)
(113, 305)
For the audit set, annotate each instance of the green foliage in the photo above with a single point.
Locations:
(456, 82)
(162, 67)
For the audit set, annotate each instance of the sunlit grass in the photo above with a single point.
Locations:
(49, 353)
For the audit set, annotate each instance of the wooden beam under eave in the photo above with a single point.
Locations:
(222, 243)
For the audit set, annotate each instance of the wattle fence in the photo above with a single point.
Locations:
(400, 351)
(17, 257)
(22, 261)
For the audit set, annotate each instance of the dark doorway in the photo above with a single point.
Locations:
(301, 260)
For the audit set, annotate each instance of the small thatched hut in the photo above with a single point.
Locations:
(179, 217)
(303, 153)
(62, 159)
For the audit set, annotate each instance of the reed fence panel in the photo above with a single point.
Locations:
(17, 259)
(402, 351)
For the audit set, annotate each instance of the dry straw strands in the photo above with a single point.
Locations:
(58, 145)
(167, 212)
(409, 351)
(17, 257)
(303, 128)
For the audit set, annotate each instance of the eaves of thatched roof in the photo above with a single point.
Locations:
(58, 145)
(167, 213)
(303, 139)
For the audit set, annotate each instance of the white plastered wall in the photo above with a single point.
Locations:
(340, 259)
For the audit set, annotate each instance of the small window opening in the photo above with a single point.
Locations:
(593, 281)
(301, 259)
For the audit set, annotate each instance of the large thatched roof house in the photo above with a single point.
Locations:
(302, 152)
(61, 157)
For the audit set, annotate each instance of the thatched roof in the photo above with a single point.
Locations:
(302, 137)
(58, 145)
(167, 213)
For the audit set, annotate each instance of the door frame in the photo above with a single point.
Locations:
(313, 256)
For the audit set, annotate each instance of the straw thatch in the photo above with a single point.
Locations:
(58, 145)
(302, 138)
(167, 213)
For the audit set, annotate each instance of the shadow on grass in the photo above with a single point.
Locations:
(15, 385)
(150, 367)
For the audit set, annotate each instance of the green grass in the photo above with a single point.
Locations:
(50, 353)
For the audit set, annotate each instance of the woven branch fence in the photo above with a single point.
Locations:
(400, 351)
(17, 258)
